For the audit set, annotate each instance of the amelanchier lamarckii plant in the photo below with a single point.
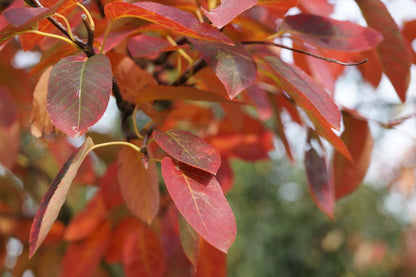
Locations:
(197, 83)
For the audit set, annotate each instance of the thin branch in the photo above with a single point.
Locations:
(90, 31)
(198, 65)
(303, 52)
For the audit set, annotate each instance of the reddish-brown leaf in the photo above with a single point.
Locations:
(225, 175)
(143, 253)
(168, 16)
(9, 30)
(319, 7)
(109, 187)
(394, 54)
(78, 92)
(199, 198)
(227, 11)
(20, 16)
(371, 70)
(189, 148)
(82, 258)
(232, 64)
(54, 198)
(409, 33)
(211, 262)
(145, 46)
(40, 123)
(348, 174)
(330, 33)
(159, 92)
(139, 186)
(86, 222)
(320, 184)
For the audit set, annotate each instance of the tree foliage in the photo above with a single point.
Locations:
(196, 83)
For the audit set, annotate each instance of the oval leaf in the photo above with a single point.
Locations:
(54, 198)
(199, 198)
(78, 92)
(330, 33)
(348, 175)
(232, 64)
(170, 17)
(228, 10)
(394, 54)
(189, 148)
(320, 185)
(139, 186)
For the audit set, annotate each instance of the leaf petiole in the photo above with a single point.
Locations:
(51, 36)
(68, 26)
(124, 143)
(87, 13)
(135, 124)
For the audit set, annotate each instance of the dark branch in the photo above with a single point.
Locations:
(303, 52)
(90, 41)
(198, 65)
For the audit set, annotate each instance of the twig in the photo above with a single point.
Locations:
(303, 52)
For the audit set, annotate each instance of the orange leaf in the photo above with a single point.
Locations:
(139, 186)
(211, 262)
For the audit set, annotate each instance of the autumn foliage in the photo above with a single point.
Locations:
(196, 83)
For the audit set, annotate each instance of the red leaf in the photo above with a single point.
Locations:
(170, 17)
(143, 253)
(306, 93)
(394, 54)
(109, 187)
(227, 11)
(54, 198)
(330, 33)
(319, 7)
(317, 104)
(86, 222)
(139, 186)
(348, 175)
(78, 92)
(145, 46)
(320, 185)
(20, 16)
(82, 258)
(371, 70)
(232, 64)
(225, 175)
(211, 262)
(189, 148)
(409, 33)
(199, 198)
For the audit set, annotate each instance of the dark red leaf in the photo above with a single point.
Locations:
(139, 186)
(78, 92)
(320, 184)
(145, 46)
(330, 33)
(168, 16)
(54, 198)
(189, 148)
(227, 11)
(394, 54)
(199, 198)
(348, 175)
(232, 64)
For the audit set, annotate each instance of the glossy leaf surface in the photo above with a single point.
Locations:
(394, 55)
(348, 175)
(78, 92)
(232, 65)
(139, 186)
(189, 148)
(55, 196)
(228, 10)
(199, 198)
(167, 16)
(320, 184)
(330, 33)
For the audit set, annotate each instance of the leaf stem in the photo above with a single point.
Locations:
(107, 31)
(51, 36)
(303, 52)
(112, 143)
(88, 15)
(90, 32)
(135, 124)
(68, 26)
